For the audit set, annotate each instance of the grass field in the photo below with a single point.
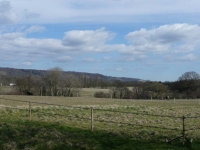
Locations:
(89, 92)
(118, 124)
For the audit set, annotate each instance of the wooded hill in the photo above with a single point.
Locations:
(12, 72)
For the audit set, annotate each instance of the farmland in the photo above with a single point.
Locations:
(124, 124)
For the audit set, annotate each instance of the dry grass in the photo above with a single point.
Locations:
(117, 122)
(70, 101)
(4, 90)
(89, 92)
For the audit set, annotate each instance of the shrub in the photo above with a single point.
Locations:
(9, 90)
(101, 95)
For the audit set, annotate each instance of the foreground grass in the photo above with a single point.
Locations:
(37, 135)
(60, 127)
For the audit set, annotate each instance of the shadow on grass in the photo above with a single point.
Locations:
(39, 135)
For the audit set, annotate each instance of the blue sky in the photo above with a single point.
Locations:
(156, 40)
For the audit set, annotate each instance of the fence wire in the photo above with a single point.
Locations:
(106, 110)
(136, 113)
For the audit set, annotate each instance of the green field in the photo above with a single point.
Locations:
(117, 124)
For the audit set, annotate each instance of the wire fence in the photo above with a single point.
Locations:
(181, 125)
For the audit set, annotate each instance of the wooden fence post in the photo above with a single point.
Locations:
(29, 110)
(91, 117)
(183, 130)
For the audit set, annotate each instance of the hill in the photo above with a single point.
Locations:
(12, 72)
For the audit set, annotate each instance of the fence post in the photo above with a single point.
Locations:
(29, 110)
(183, 130)
(91, 117)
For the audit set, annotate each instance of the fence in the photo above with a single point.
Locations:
(95, 116)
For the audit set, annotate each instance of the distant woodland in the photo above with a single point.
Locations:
(55, 82)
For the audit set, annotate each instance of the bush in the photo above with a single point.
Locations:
(9, 90)
(101, 95)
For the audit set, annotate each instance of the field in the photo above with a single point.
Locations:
(89, 92)
(116, 124)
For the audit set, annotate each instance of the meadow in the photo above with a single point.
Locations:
(65, 123)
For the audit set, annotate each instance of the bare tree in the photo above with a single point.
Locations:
(71, 86)
(155, 89)
(189, 82)
(52, 79)
(189, 76)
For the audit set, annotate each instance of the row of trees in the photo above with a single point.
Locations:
(54, 83)
(187, 86)
(139, 90)
(57, 83)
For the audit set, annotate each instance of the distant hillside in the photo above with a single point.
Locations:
(12, 72)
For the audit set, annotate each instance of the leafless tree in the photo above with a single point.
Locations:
(52, 79)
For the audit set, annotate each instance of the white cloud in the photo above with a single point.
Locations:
(16, 45)
(27, 63)
(90, 60)
(166, 38)
(63, 59)
(165, 42)
(10, 36)
(7, 16)
(87, 37)
(119, 69)
(188, 57)
(37, 11)
(127, 58)
(35, 28)
(74, 41)
(107, 57)
(29, 15)
(88, 40)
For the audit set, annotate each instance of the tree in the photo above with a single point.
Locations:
(21, 83)
(39, 85)
(187, 83)
(52, 79)
(25, 84)
(70, 86)
(189, 76)
(138, 90)
(156, 89)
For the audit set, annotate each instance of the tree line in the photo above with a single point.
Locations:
(187, 86)
(56, 83)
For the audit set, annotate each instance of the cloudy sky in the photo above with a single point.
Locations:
(155, 40)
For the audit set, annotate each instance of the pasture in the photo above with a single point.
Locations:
(129, 123)
(89, 92)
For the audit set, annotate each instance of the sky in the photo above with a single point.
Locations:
(157, 40)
